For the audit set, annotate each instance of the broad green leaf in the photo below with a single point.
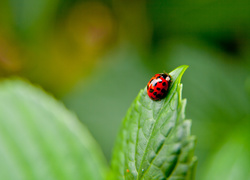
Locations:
(231, 160)
(154, 141)
(40, 139)
(214, 102)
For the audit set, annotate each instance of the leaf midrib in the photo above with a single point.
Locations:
(175, 84)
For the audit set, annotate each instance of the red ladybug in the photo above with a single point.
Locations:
(158, 85)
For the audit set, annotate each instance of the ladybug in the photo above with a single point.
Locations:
(158, 85)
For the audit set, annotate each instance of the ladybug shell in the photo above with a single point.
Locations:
(158, 85)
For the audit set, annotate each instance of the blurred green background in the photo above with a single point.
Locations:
(95, 56)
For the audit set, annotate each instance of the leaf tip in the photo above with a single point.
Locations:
(179, 70)
(177, 73)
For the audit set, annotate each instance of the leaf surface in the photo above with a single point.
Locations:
(154, 141)
(40, 139)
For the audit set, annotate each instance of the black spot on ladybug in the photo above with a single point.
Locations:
(151, 90)
(158, 77)
(155, 84)
(163, 90)
(155, 93)
(151, 80)
(147, 86)
(164, 83)
(158, 96)
(158, 89)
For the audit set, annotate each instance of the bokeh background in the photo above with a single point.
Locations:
(95, 56)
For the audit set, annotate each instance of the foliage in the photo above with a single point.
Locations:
(40, 139)
(154, 141)
(95, 56)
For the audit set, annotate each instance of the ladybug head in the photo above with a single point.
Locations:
(166, 76)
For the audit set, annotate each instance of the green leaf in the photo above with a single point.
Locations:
(154, 141)
(231, 159)
(40, 139)
(214, 102)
